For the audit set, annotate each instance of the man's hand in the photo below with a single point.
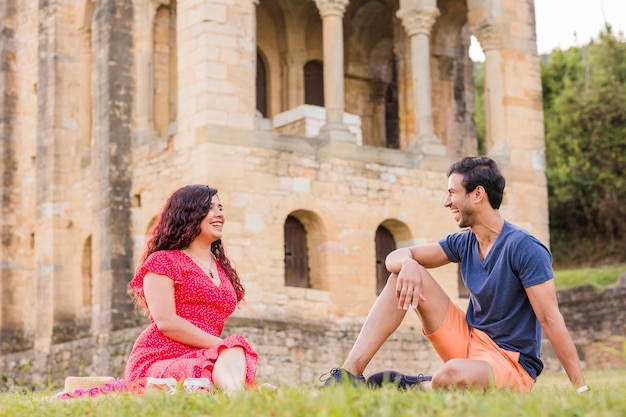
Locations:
(409, 285)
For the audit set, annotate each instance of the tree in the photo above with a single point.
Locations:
(584, 97)
(479, 105)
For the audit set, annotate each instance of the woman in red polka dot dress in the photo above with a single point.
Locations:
(188, 287)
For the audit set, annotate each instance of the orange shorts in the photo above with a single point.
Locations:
(456, 339)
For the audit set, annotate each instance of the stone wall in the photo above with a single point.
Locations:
(290, 353)
(596, 320)
(297, 352)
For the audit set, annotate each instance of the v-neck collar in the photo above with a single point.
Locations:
(219, 277)
(493, 246)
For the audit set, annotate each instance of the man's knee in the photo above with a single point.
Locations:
(463, 373)
(450, 374)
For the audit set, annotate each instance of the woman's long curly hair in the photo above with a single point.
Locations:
(178, 224)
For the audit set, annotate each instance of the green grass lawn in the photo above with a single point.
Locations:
(552, 396)
(598, 278)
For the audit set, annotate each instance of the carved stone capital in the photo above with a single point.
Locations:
(296, 58)
(332, 7)
(145, 12)
(489, 35)
(418, 20)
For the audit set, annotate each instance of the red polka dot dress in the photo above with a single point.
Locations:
(199, 301)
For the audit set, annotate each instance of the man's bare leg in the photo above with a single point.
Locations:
(385, 317)
(461, 373)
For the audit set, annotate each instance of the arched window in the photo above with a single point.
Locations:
(296, 254)
(385, 244)
(261, 85)
(314, 83)
(392, 119)
(164, 67)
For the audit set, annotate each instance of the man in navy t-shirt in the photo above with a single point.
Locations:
(509, 275)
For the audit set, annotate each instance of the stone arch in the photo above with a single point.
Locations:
(451, 79)
(313, 37)
(72, 301)
(315, 238)
(297, 272)
(385, 243)
(400, 231)
(140, 240)
(155, 67)
(151, 224)
(314, 83)
(149, 229)
(305, 44)
(490, 34)
(384, 95)
(272, 46)
(392, 108)
(389, 235)
(82, 19)
(370, 45)
(289, 34)
(261, 84)
(164, 69)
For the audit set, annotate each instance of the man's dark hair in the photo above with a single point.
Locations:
(481, 170)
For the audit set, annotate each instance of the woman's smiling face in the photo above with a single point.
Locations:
(212, 224)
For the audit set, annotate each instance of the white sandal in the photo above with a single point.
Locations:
(161, 383)
(192, 385)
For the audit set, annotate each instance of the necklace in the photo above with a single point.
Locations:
(202, 265)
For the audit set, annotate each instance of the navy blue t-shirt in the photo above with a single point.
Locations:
(498, 303)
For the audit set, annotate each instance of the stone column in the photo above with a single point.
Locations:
(293, 79)
(144, 12)
(418, 22)
(113, 97)
(16, 279)
(332, 12)
(84, 118)
(49, 190)
(490, 37)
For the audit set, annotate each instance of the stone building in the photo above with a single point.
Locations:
(326, 125)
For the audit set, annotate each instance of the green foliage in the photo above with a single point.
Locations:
(584, 96)
(598, 278)
(552, 396)
(479, 105)
(621, 352)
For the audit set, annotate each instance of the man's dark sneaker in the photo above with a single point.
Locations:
(341, 376)
(400, 380)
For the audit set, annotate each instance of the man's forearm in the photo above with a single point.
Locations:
(565, 350)
(394, 260)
